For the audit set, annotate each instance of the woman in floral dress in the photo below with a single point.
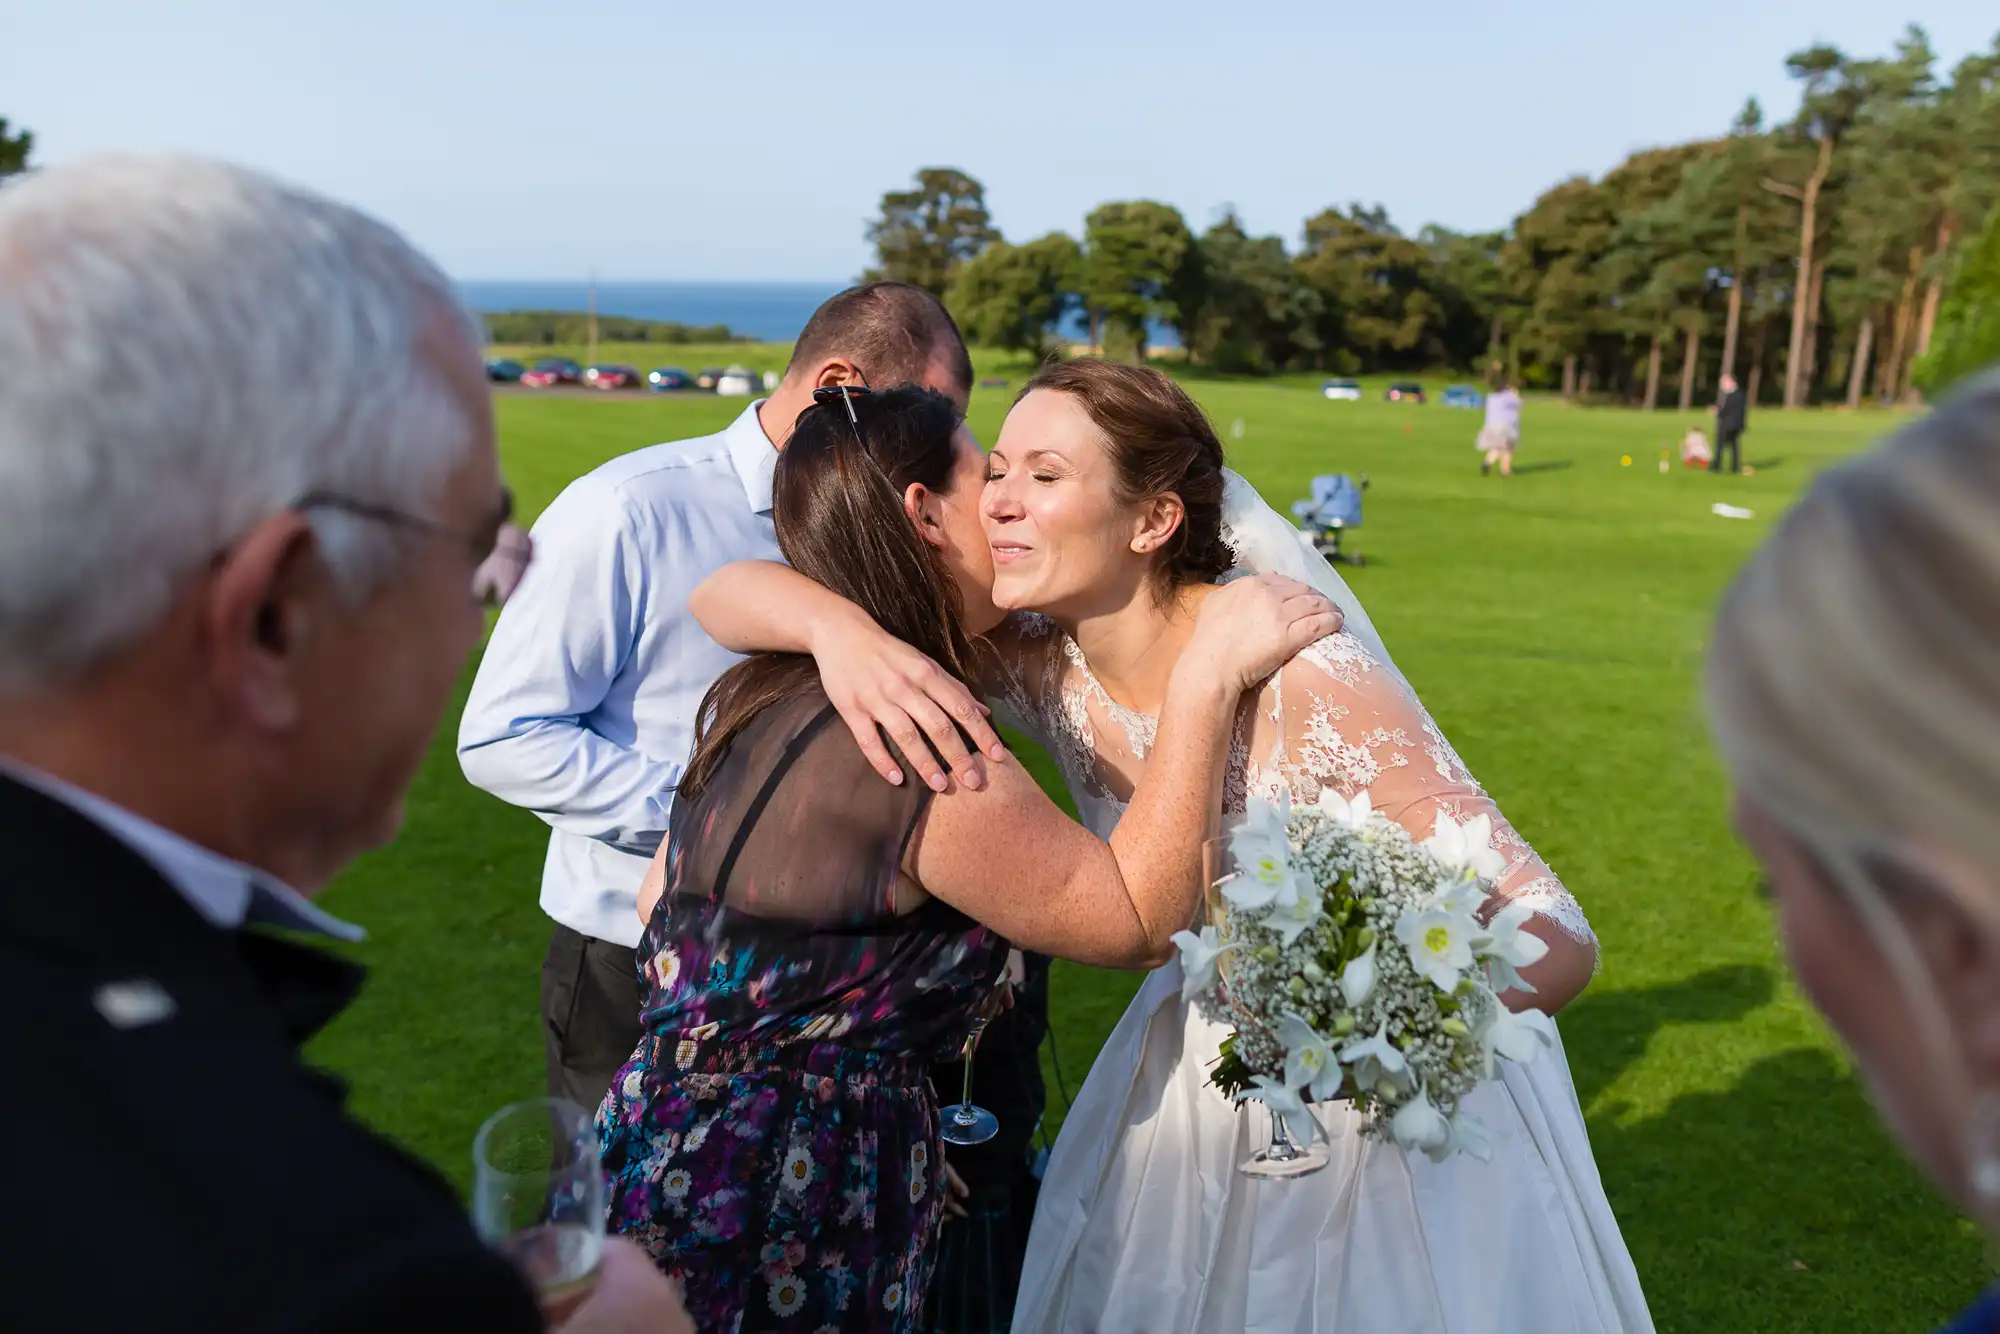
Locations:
(817, 937)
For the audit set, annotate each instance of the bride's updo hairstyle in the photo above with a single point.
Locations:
(1161, 443)
(1853, 683)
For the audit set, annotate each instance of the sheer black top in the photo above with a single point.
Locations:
(779, 922)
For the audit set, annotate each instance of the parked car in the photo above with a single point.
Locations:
(611, 376)
(1462, 396)
(707, 379)
(738, 382)
(551, 371)
(504, 370)
(668, 379)
(1405, 391)
(1341, 391)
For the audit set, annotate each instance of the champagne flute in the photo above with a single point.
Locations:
(538, 1198)
(964, 1123)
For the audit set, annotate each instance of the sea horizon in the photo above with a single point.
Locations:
(769, 312)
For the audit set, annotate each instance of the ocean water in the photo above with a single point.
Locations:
(769, 312)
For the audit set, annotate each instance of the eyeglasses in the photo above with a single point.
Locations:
(500, 556)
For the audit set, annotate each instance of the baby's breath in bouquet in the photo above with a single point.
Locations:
(1351, 963)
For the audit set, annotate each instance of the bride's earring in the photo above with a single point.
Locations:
(1982, 1149)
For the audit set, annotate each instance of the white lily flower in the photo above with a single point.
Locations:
(1466, 849)
(1375, 1058)
(1353, 814)
(1418, 1124)
(1357, 980)
(1439, 940)
(1201, 959)
(1262, 851)
(1468, 1135)
(1310, 1062)
(1519, 1037)
(1291, 919)
(1510, 948)
(1284, 1105)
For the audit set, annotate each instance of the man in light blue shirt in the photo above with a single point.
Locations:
(585, 703)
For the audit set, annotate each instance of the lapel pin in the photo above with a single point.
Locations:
(134, 1004)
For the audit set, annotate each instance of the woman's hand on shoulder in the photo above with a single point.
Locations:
(1250, 627)
(878, 684)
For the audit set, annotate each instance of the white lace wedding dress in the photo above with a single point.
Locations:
(1144, 1224)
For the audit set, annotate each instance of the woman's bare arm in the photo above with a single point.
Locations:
(1010, 859)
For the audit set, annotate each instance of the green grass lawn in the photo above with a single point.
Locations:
(1554, 624)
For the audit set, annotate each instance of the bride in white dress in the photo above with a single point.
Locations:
(1105, 511)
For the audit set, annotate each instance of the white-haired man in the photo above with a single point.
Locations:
(247, 479)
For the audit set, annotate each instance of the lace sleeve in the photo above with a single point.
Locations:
(1334, 717)
(1023, 679)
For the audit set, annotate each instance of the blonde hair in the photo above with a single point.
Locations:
(1853, 685)
(1854, 675)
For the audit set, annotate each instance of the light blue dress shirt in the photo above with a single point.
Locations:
(584, 707)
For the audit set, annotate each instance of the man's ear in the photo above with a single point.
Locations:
(920, 503)
(838, 371)
(258, 619)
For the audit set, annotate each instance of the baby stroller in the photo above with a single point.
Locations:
(1335, 507)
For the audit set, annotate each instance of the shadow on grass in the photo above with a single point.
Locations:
(1764, 465)
(1776, 1204)
(1550, 465)
(1606, 1032)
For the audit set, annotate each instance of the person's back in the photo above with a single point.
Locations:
(788, 866)
(1503, 411)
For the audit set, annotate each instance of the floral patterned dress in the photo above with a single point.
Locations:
(773, 1141)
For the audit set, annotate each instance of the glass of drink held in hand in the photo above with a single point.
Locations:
(538, 1198)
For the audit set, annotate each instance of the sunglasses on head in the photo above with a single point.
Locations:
(844, 394)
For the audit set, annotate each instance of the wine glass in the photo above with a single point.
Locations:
(964, 1123)
(1284, 1156)
(538, 1198)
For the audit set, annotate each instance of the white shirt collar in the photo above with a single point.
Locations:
(754, 457)
(226, 893)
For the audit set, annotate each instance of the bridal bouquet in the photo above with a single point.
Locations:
(1351, 963)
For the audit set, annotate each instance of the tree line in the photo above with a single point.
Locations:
(545, 327)
(1848, 252)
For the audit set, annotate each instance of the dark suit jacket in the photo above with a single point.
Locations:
(193, 1173)
(1732, 415)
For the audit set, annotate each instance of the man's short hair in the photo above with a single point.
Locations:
(893, 332)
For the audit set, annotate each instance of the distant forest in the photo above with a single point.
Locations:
(540, 328)
(1849, 251)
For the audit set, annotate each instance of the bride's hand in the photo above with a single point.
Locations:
(1250, 627)
(876, 681)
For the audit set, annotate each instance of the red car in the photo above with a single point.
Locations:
(551, 371)
(611, 377)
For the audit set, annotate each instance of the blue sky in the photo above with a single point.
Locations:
(711, 141)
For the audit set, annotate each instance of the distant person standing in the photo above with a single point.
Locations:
(1502, 430)
(1732, 419)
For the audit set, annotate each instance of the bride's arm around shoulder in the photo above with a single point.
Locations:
(1335, 717)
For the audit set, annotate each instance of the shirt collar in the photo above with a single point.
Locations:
(754, 457)
(226, 893)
